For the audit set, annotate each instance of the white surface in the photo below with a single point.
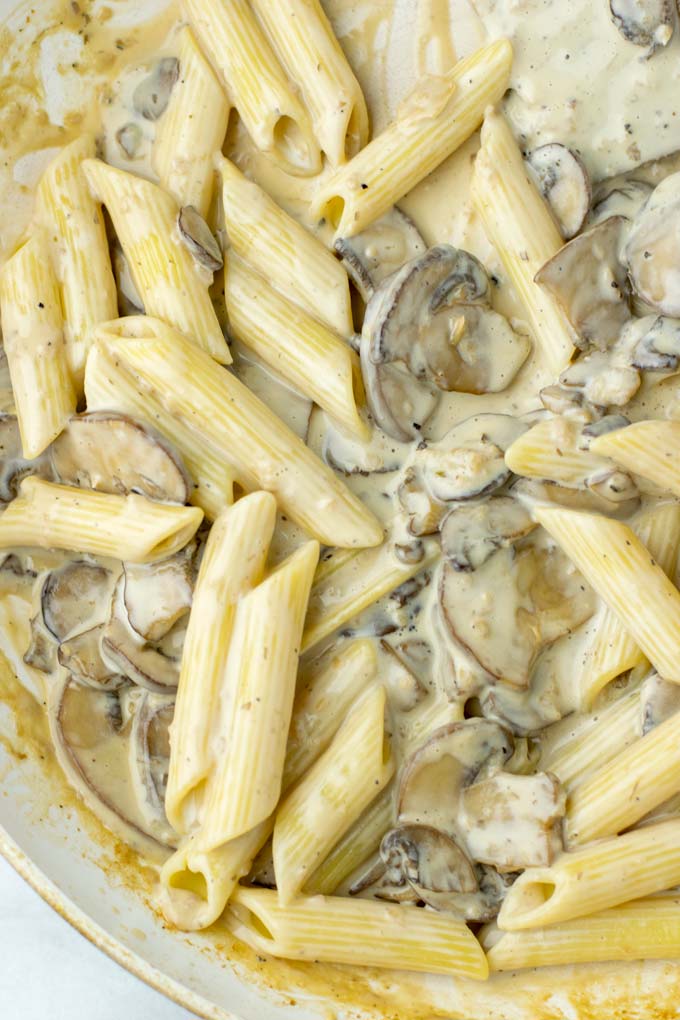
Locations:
(48, 970)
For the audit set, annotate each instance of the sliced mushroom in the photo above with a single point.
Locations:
(516, 603)
(130, 139)
(522, 712)
(42, 650)
(590, 283)
(400, 404)
(156, 596)
(564, 182)
(616, 487)
(380, 455)
(624, 198)
(82, 656)
(403, 682)
(653, 248)
(472, 532)
(659, 700)
(75, 597)
(423, 512)
(114, 453)
(410, 589)
(602, 381)
(647, 23)
(412, 551)
(596, 499)
(375, 253)
(199, 239)
(658, 349)
(149, 759)
(428, 861)
(13, 464)
(152, 95)
(144, 665)
(566, 400)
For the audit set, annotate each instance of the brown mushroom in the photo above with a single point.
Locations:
(13, 465)
(149, 759)
(114, 453)
(130, 138)
(152, 95)
(380, 250)
(656, 340)
(400, 404)
(82, 656)
(648, 23)
(652, 248)
(590, 283)
(622, 198)
(471, 533)
(76, 597)
(564, 182)
(156, 596)
(144, 665)
(42, 649)
(198, 239)
(601, 379)
(428, 861)
(598, 498)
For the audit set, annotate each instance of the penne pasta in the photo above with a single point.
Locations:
(133, 528)
(649, 448)
(332, 794)
(521, 228)
(550, 450)
(341, 930)
(233, 564)
(259, 688)
(74, 224)
(170, 282)
(618, 566)
(647, 929)
(279, 248)
(190, 131)
(306, 45)
(595, 877)
(232, 421)
(256, 84)
(434, 121)
(109, 388)
(297, 347)
(32, 328)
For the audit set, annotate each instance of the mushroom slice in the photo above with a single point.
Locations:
(653, 248)
(199, 239)
(157, 595)
(512, 821)
(647, 23)
(13, 465)
(616, 487)
(659, 700)
(399, 403)
(624, 199)
(379, 251)
(144, 665)
(428, 860)
(81, 655)
(152, 95)
(42, 650)
(602, 381)
(424, 514)
(113, 453)
(380, 455)
(506, 611)
(567, 400)
(596, 499)
(589, 282)
(403, 683)
(75, 597)
(91, 744)
(658, 349)
(563, 181)
(130, 139)
(149, 759)
(473, 532)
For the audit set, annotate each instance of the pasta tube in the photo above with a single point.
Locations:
(305, 42)
(279, 248)
(647, 929)
(615, 562)
(109, 388)
(337, 929)
(435, 120)
(170, 283)
(232, 421)
(233, 564)
(332, 794)
(274, 117)
(190, 131)
(520, 226)
(649, 448)
(259, 687)
(132, 528)
(549, 449)
(32, 328)
(75, 224)
(297, 347)
(596, 877)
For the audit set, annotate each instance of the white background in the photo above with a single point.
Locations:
(49, 970)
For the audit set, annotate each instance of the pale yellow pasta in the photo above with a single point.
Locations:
(521, 228)
(647, 929)
(280, 248)
(74, 223)
(331, 796)
(338, 929)
(348, 585)
(550, 449)
(191, 130)
(595, 877)
(612, 650)
(296, 346)
(433, 122)
(169, 281)
(230, 419)
(259, 688)
(648, 448)
(256, 84)
(233, 563)
(108, 387)
(619, 567)
(133, 528)
(305, 42)
(33, 337)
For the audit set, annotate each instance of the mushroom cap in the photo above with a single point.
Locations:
(75, 597)
(564, 182)
(474, 531)
(198, 239)
(648, 23)
(380, 250)
(152, 95)
(653, 248)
